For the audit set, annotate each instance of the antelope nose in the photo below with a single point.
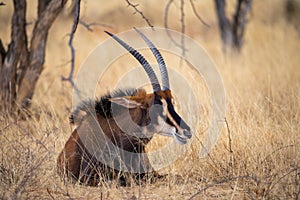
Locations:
(187, 134)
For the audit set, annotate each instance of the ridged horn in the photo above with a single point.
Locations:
(147, 67)
(159, 59)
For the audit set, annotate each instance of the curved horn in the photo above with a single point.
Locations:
(142, 61)
(159, 59)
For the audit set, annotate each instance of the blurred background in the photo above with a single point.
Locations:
(257, 155)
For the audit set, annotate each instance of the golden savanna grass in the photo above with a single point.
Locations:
(262, 99)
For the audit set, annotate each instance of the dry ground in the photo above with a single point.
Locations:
(263, 112)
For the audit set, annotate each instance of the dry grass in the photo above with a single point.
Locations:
(263, 113)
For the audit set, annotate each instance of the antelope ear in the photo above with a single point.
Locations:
(125, 102)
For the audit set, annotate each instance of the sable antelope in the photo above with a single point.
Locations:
(76, 159)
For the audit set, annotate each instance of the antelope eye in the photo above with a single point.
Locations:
(158, 100)
(144, 107)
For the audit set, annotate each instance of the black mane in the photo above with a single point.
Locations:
(100, 106)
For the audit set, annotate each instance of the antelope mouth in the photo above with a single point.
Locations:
(180, 136)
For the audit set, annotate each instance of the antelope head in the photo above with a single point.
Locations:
(164, 119)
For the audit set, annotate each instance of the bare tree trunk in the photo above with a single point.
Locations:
(37, 51)
(8, 69)
(42, 6)
(224, 23)
(21, 65)
(232, 33)
(243, 7)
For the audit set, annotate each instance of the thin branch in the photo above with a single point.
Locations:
(197, 14)
(52, 197)
(167, 8)
(229, 135)
(182, 26)
(88, 26)
(282, 177)
(297, 184)
(229, 143)
(136, 10)
(70, 43)
(202, 145)
(166, 25)
(28, 134)
(223, 181)
(278, 149)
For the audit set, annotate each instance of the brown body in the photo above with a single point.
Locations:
(77, 162)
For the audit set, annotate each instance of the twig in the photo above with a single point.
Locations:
(297, 183)
(229, 135)
(223, 181)
(52, 197)
(202, 145)
(278, 149)
(182, 26)
(29, 135)
(282, 177)
(136, 10)
(229, 143)
(166, 25)
(197, 14)
(211, 158)
(74, 28)
(89, 26)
